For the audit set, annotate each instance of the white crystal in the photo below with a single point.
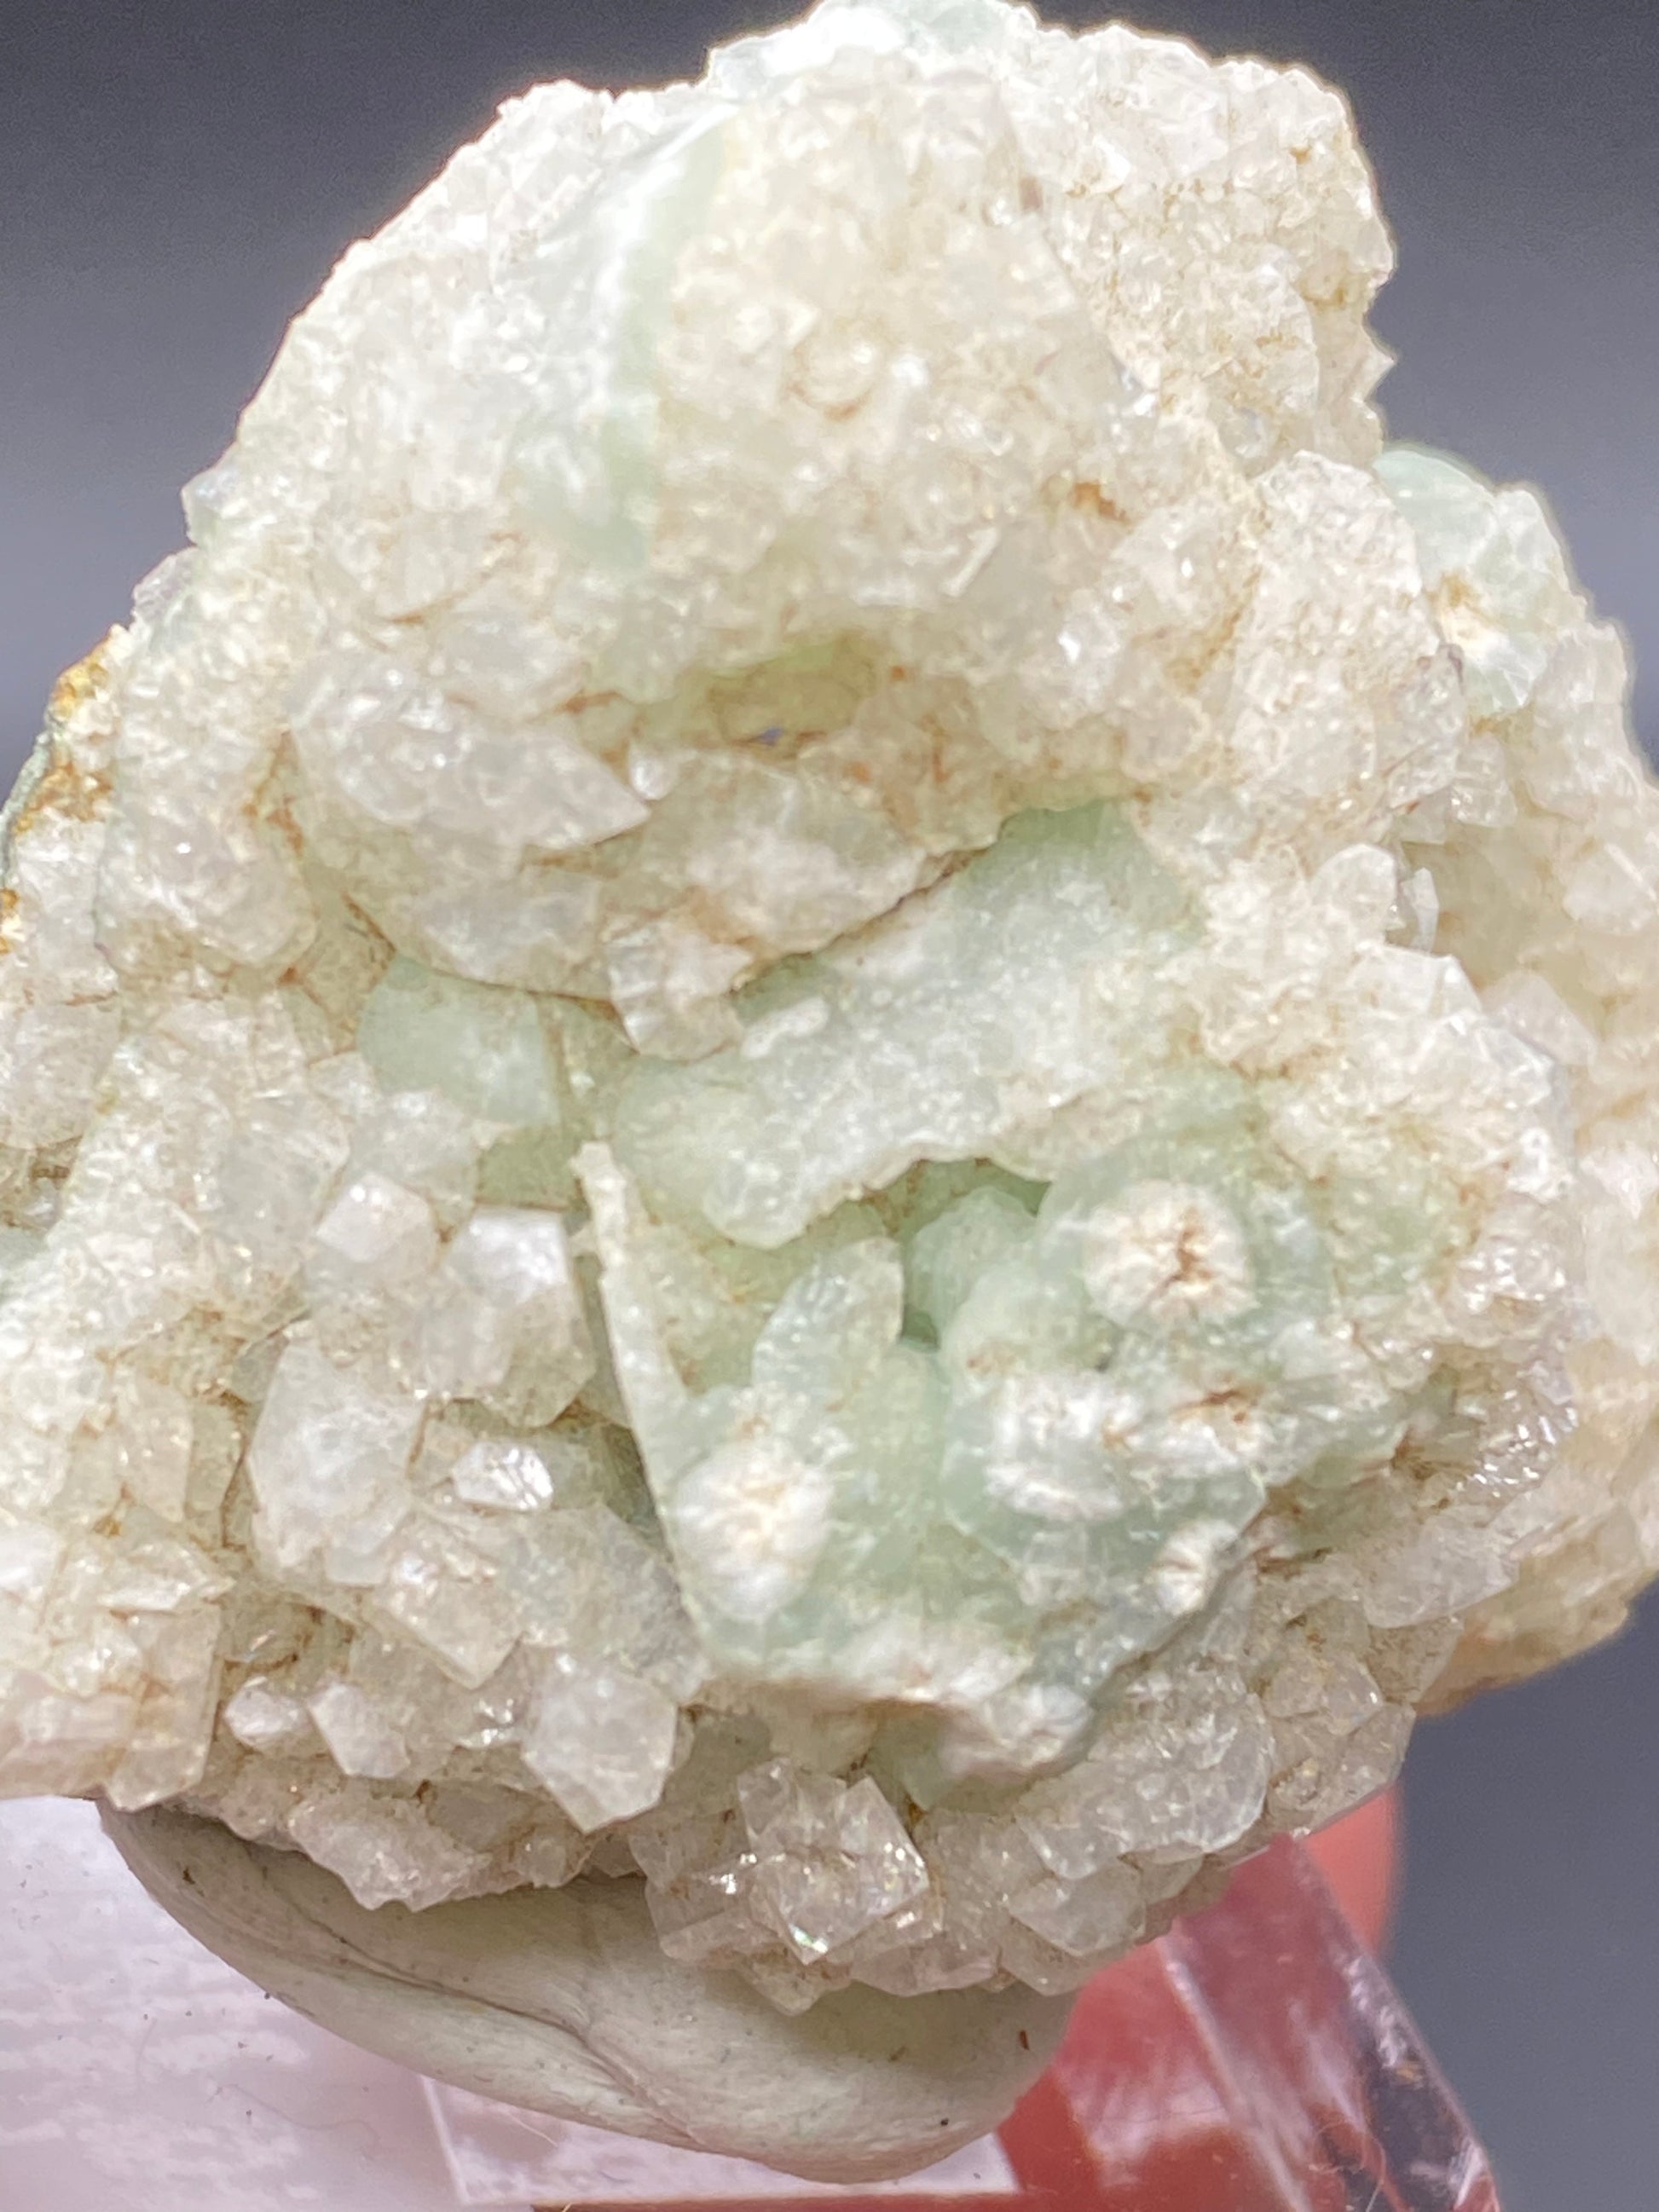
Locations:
(360, 1736)
(751, 1520)
(265, 1718)
(601, 1739)
(830, 1863)
(504, 1322)
(507, 1477)
(1098, 1917)
(329, 1456)
(437, 1587)
(383, 1849)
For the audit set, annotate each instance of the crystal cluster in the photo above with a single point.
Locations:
(831, 1072)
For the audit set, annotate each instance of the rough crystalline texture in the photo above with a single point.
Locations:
(830, 1072)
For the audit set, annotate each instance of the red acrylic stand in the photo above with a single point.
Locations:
(1257, 2059)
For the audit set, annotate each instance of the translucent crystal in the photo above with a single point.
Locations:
(601, 1740)
(359, 1736)
(422, 1030)
(827, 1071)
(510, 1478)
(829, 1862)
(265, 1719)
(328, 1456)
(442, 1590)
(383, 1849)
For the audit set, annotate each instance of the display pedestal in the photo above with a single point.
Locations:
(1256, 2060)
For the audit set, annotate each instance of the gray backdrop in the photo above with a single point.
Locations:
(176, 177)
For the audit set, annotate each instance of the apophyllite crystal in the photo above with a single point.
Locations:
(830, 1072)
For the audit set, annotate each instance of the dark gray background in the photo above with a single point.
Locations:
(176, 177)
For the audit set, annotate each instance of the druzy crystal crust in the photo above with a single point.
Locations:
(828, 1073)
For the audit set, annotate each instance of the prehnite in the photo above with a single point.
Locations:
(830, 1072)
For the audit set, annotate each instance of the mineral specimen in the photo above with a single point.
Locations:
(831, 1072)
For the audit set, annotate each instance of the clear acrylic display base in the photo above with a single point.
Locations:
(1256, 2060)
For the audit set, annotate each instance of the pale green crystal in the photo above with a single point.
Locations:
(486, 1050)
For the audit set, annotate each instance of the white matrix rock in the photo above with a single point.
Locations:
(829, 1075)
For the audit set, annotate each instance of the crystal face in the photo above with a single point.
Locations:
(828, 1072)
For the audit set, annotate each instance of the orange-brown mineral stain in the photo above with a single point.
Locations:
(76, 685)
(69, 787)
(69, 790)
